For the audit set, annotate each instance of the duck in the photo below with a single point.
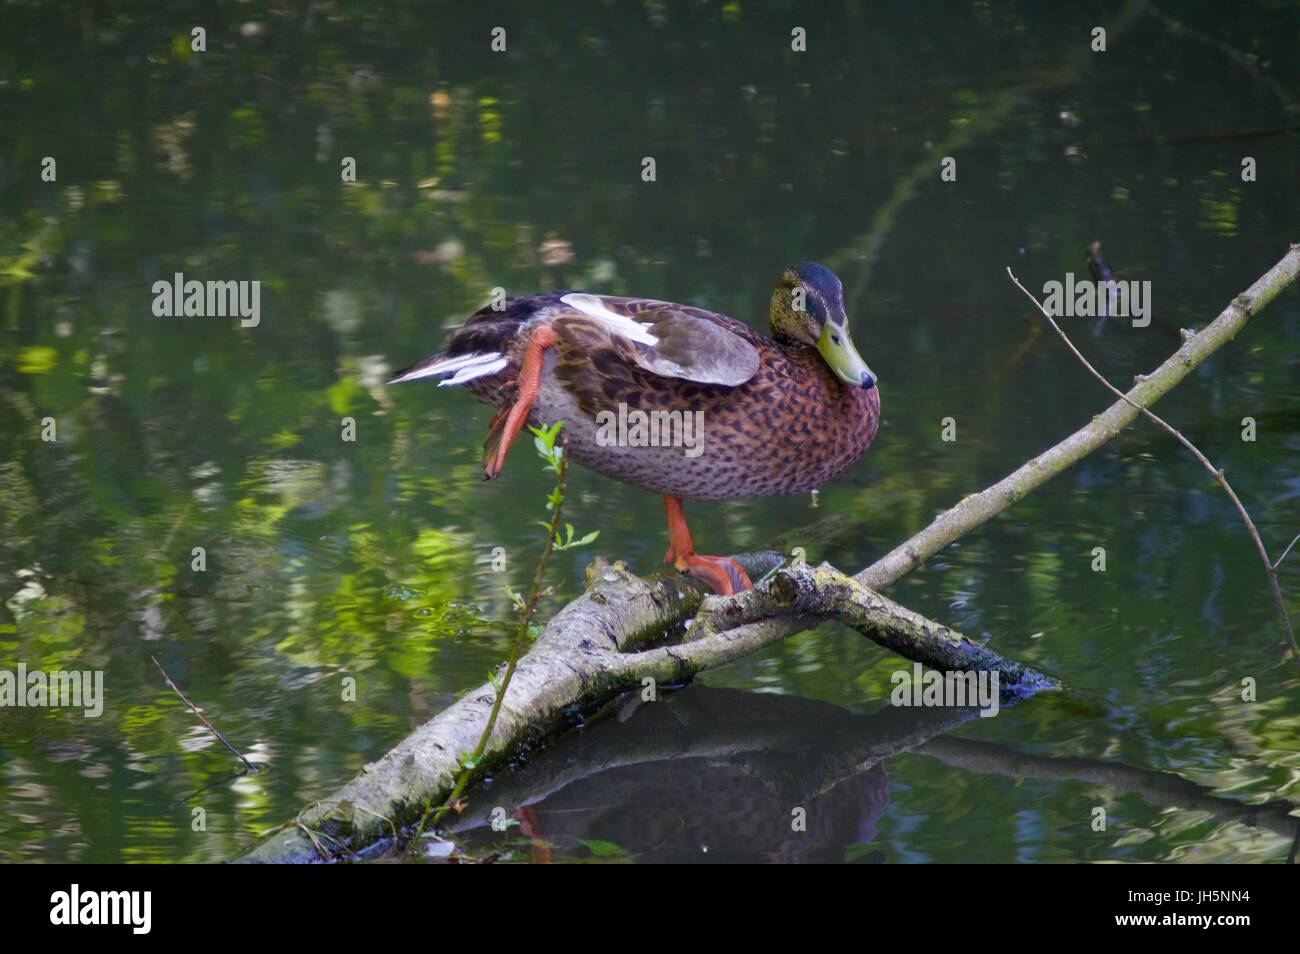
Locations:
(677, 400)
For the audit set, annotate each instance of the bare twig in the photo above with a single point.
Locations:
(561, 466)
(384, 818)
(199, 715)
(978, 508)
(315, 837)
(216, 783)
(1286, 551)
(1216, 472)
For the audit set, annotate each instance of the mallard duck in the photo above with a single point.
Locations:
(677, 400)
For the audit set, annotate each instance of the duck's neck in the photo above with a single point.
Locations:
(781, 317)
(777, 328)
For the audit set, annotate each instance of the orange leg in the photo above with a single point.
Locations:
(722, 574)
(531, 827)
(529, 381)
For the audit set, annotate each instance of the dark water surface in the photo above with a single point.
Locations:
(371, 559)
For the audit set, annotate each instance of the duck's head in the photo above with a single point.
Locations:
(808, 308)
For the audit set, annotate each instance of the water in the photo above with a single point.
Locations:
(371, 560)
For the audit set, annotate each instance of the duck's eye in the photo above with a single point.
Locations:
(835, 338)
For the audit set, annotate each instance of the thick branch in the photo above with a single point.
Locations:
(798, 596)
(583, 660)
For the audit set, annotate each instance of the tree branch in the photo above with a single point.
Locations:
(1216, 472)
(198, 714)
(982, 507)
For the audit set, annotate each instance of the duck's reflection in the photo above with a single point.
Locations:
(717, 774)
(731, 776)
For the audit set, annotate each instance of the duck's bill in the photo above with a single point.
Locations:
(836, 349)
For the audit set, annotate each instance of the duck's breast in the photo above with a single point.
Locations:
(791, 428)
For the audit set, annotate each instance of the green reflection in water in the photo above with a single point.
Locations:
(371, 560)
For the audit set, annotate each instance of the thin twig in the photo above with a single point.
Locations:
(224, 780)
(315, 840)
(383, 818)
(1216, 472)
(199, 715)
(521, 637)
(1286, 551)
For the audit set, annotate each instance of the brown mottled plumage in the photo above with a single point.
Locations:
(774, 416)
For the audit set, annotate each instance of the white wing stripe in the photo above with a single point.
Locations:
(593, 307)
(448, 365)
(472, 371)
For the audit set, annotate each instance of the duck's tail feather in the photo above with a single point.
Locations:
(452, 369)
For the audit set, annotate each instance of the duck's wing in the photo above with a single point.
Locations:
(672, 341)
(483, 347)
(663, 338)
